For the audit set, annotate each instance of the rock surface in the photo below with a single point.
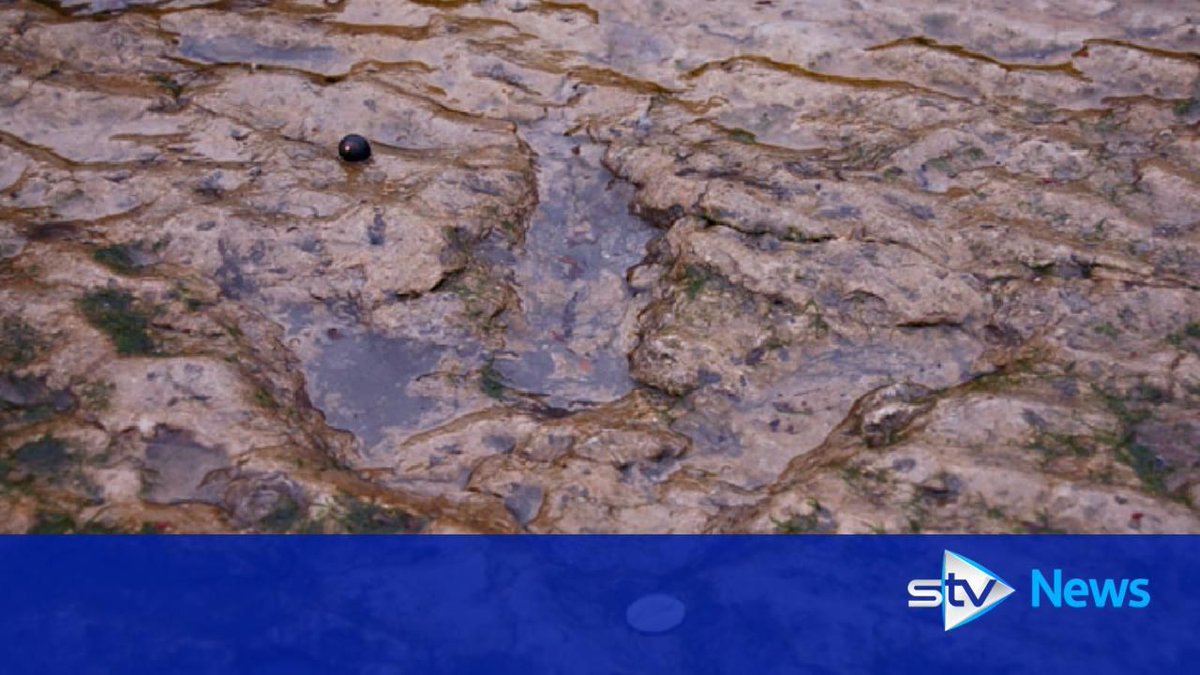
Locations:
(612, 267)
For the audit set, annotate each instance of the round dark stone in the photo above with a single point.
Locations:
(354, 148)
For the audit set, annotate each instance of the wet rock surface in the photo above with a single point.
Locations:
(611, 267)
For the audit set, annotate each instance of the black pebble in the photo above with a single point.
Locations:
(354, 148)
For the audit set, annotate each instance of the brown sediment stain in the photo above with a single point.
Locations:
(414, 33)
(606, 77)
(805, 73)
(957, 50)
(576, 7)
(1189, 57)
(439, 26)
(446, 4)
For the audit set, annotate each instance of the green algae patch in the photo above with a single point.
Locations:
(45, 455)
(18, 341)
(367, 518)
(117, 314)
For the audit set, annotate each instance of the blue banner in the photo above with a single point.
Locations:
(612, 604)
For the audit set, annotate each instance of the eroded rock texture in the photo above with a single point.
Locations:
(613, 267)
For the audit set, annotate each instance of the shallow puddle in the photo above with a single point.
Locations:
(380, 386)
(569, 339)
(362, 383)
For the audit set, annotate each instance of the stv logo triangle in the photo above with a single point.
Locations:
(969, 590)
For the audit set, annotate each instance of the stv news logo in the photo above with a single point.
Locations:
(968, 590)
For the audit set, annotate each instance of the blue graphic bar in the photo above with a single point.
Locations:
(613, 604)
